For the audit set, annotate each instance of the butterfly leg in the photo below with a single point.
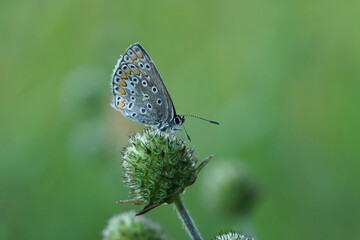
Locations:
(181, 133)
(179, 129)
(188, 137)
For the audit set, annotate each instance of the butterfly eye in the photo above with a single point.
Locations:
(147, 66)
(132, 84)
(144, 83)
(158, 101)
(132, 98)
(143, 111)
(132, 92)
(146, 96)
(133, 114)
(124, 67)
(149, 106)
(177, 120)
(127, 58)
(135, 80)
(154, 89)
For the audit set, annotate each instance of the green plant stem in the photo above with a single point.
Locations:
(186, 219)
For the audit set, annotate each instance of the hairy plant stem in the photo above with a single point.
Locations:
(186, 218)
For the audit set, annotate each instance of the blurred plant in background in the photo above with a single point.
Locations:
(127, 226)
(229, 189)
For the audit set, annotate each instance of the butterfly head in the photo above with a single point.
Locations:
(178, 120)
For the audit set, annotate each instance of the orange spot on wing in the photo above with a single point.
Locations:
(134, 57)
(136, 71)
(123, 75)
(122, 83)
(141, 55)
(121, 103)
(121, 91)
(127, 70)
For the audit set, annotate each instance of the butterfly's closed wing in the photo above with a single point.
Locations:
(139, 92)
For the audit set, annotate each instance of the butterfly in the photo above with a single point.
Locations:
(140, 93)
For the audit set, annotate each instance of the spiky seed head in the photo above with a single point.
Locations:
(232, 236)
(127, 226)
(157, 166)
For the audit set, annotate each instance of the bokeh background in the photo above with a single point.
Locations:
(282, 77)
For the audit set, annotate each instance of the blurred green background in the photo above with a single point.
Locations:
(282, 77)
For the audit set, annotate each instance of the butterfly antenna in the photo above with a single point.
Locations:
(189, 115)
(186, 133)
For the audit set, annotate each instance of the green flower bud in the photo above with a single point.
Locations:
(157, 167)
(229, 188)
(127, 226)
(233, 236)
